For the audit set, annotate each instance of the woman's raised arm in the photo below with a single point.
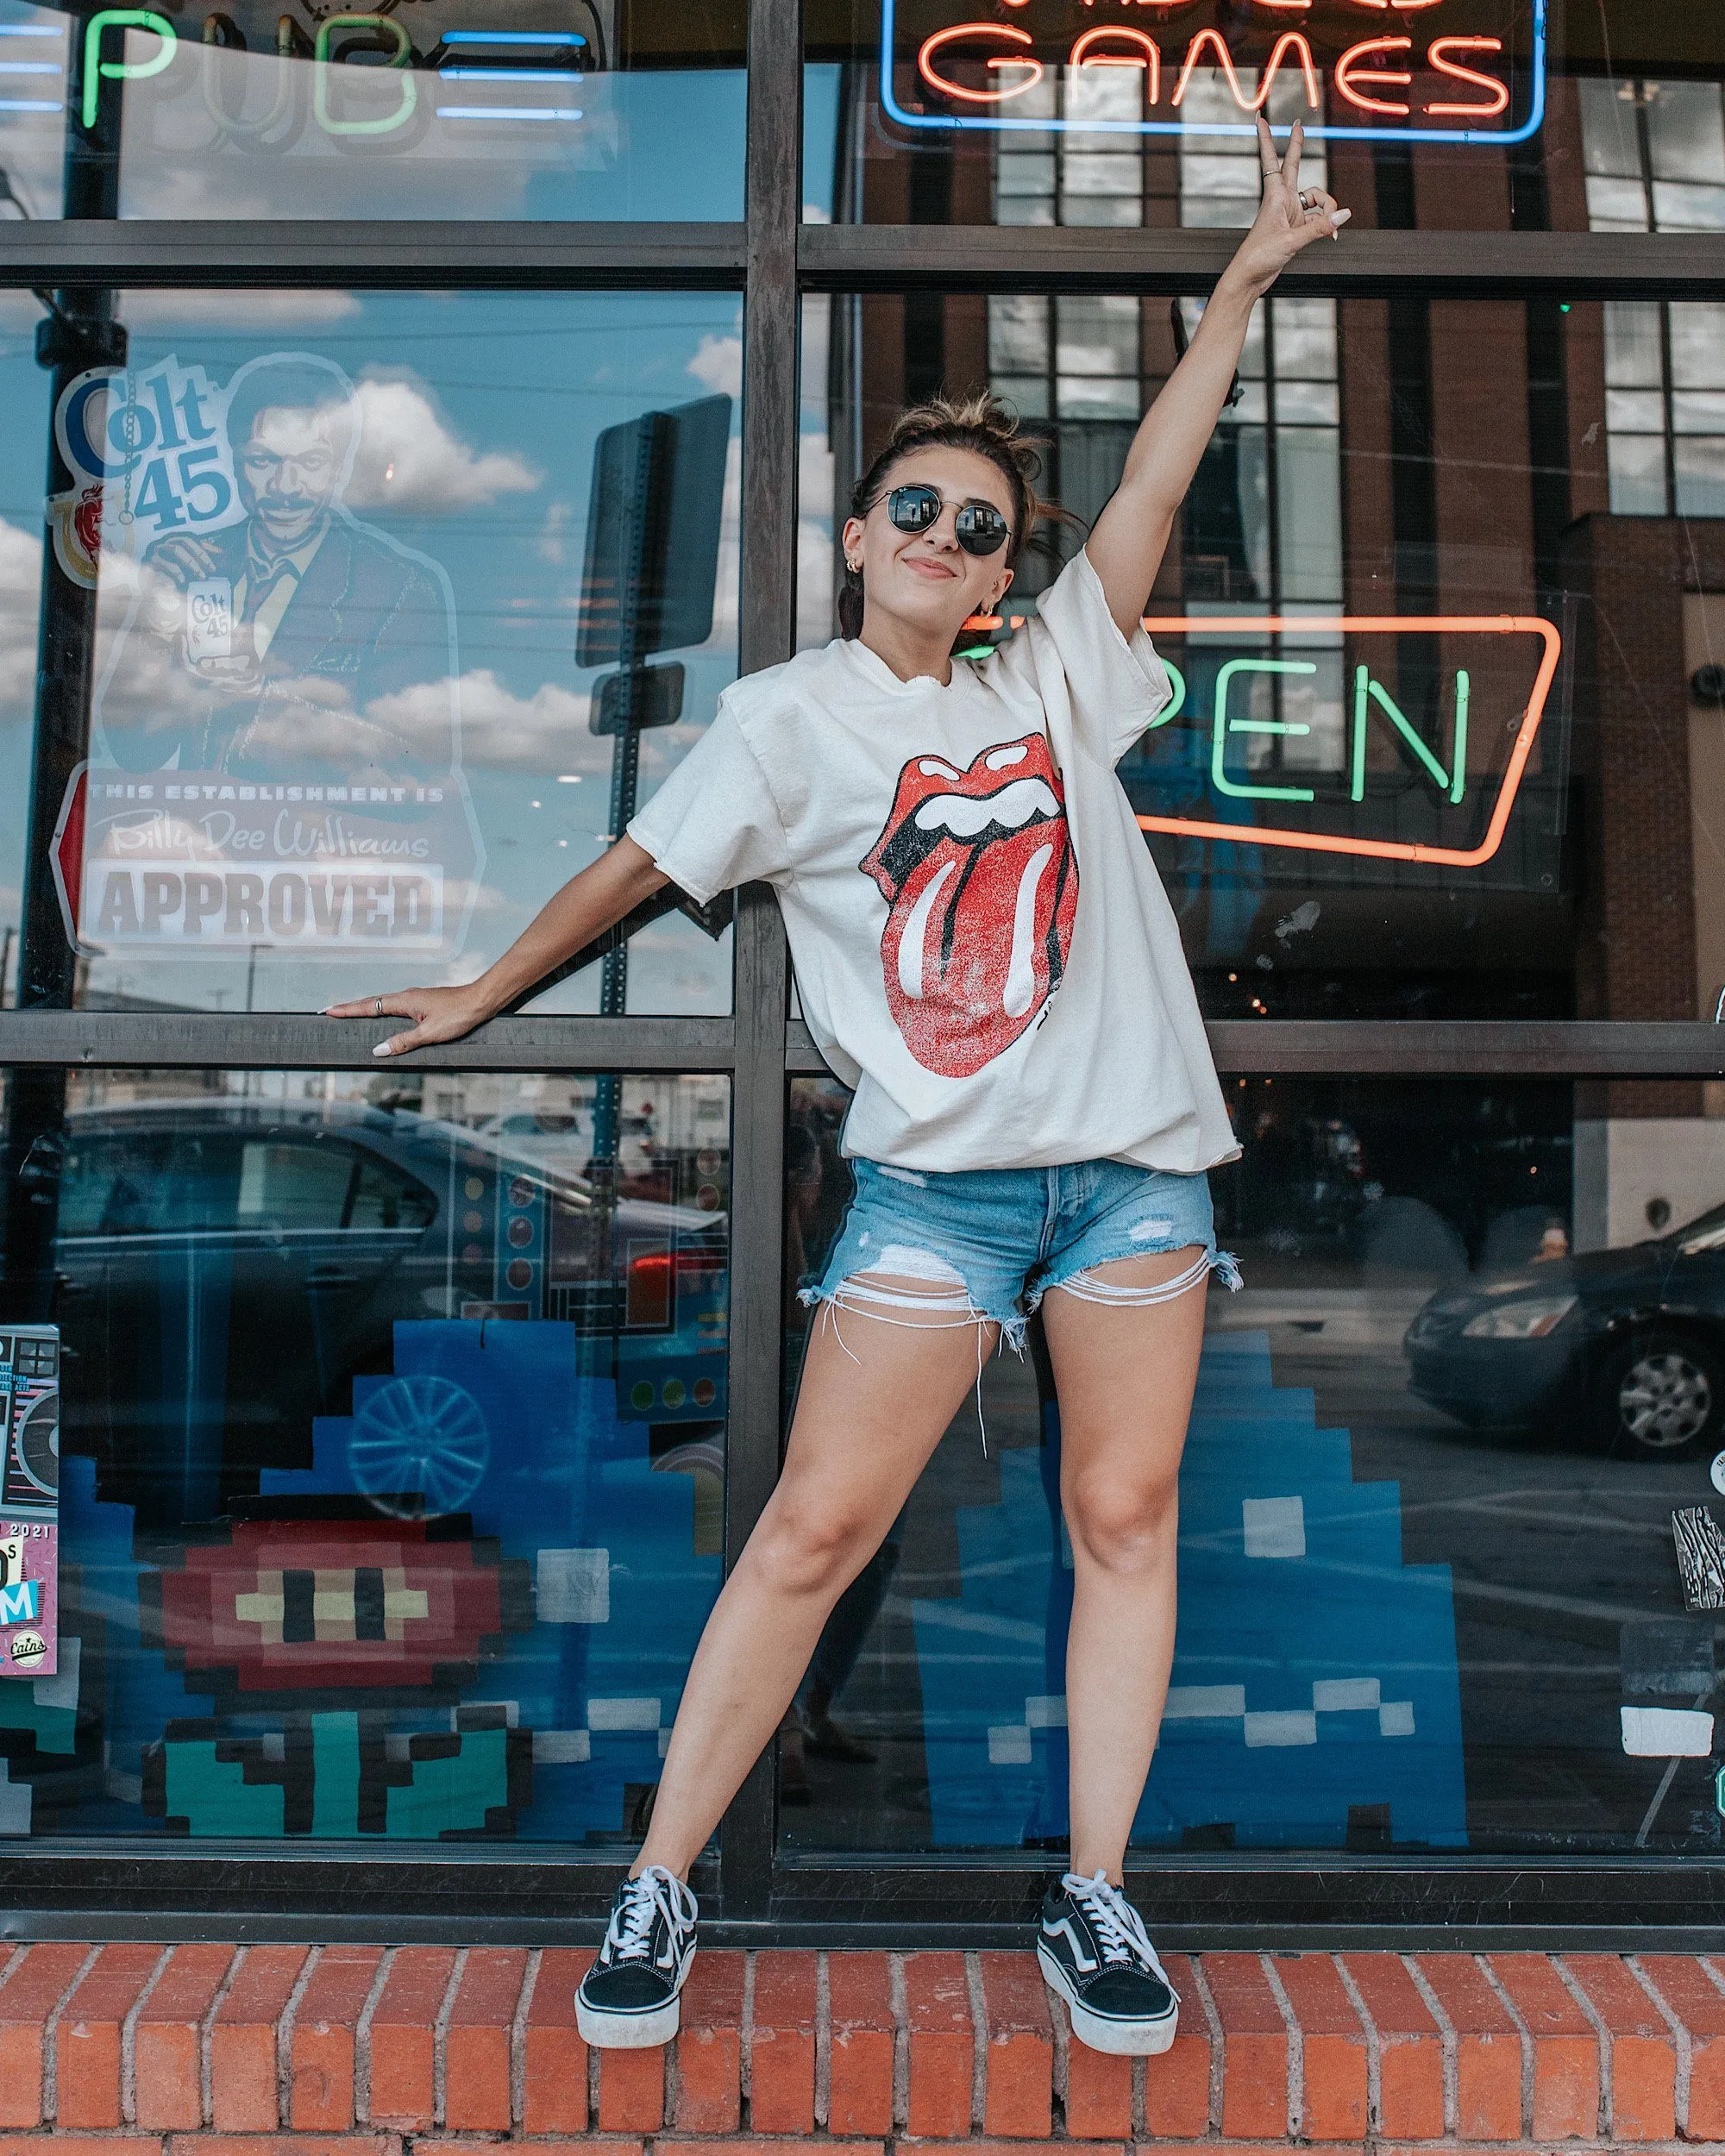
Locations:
(1128, 543)
(587, 905)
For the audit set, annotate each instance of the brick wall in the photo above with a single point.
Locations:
(205, 2049)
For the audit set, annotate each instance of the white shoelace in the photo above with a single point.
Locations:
(1118, 1927)
(653, 1892)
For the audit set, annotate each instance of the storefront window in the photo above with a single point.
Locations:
(1446, 739)
(1429, 1597)
(1518, 115)
(584, 109)
(351, 686)
(391, 1453)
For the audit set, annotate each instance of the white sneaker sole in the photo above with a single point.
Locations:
(1122, 2039)
(627, 2032)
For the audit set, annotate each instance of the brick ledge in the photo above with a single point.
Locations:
(212, 2049)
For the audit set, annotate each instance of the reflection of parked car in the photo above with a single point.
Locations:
(1629, 1343)
(225, 1267)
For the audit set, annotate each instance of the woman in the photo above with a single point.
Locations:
(986, 956)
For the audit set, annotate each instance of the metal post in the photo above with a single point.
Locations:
(767, 635)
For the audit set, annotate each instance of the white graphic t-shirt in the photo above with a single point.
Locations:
(983, 948)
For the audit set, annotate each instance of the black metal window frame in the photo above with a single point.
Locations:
(753, 1893)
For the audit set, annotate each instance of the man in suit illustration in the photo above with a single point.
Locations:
(280, 633)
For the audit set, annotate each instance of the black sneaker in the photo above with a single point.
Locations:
(629, 2000)
(1096, 1952)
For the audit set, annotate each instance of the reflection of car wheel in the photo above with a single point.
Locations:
(1661, 1397)
(419, 1437)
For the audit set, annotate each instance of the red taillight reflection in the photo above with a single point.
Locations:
(652, 1279)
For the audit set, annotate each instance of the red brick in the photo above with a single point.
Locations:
(87, 2041)
(1565, 2048)
(1643, 2054)
(476, 2042)
(1254, 2048)
(1017, 2051)
(1099, 2097)
(1334, 2092)
(1410, 2049)
(28, 1996)
(1682, 1983)
(1176, 2085)
(739, 2147)
(859, 2098)
(167, 2042)
(76, 2144)
(403, 2044)
(709, 2047)
(781, 2044)
(632, 2090)
(285, 2144)
(244, 2058)
(321, 2053)
(555, 2077)
(942, 2043)
(1488, 2048)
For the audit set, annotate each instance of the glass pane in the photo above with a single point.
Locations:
(1632, 343)
(332, 591)
(393, 1452)
(1480, 116)
(1686, 131)
(1430, 1598)
(1369, 592)
(556, 108)
(1637, 466)
(1698, 344)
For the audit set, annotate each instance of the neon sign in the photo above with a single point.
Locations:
(1467, 81)
(479, 59)
(1371, 703)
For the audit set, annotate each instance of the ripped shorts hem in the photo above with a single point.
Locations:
(1013, 1325)
(1223, 1263)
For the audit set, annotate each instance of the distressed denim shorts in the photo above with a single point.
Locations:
(993, 1241)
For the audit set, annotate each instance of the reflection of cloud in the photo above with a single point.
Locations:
(234, 310)
(21, 575)
(408, 458)
(815, 621)
(550, 543)
(718, 365)
(725, 588)
(546, 731)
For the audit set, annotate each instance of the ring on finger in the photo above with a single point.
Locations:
(380, 1008)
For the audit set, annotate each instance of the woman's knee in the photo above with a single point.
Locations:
(811, 1545)
(1120, 1523)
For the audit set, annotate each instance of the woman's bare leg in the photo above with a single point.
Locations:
(872, 1405)
(1125, 1377)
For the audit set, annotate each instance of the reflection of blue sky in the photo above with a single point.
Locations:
(646, 143)
(518, 386)
(820, 139)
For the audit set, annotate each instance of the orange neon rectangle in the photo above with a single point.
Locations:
(1362, 625)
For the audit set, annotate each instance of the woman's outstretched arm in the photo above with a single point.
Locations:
(587, 906)
(1127, 546)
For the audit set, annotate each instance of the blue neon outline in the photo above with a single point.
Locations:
(506, 112)
(31, 67)
(1031, 126)
(512, 37)
(508, 74)
(30, 105)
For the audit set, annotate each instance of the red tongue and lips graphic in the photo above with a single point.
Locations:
(977, 871)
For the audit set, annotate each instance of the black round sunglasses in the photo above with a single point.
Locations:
(979, 526)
